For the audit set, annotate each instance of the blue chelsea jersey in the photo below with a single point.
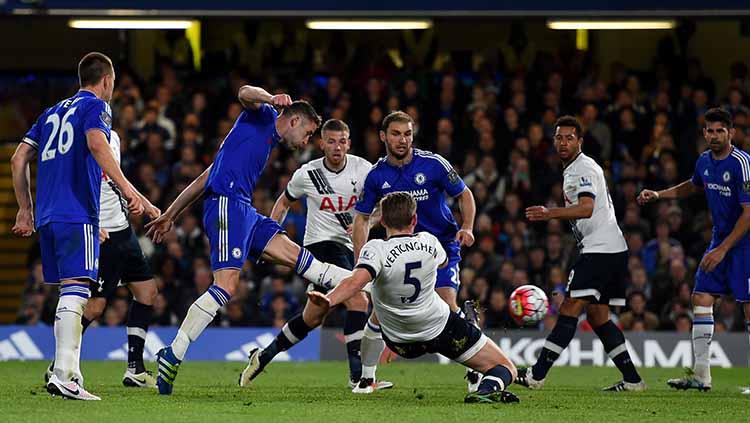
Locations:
(727, 186)
(244, 154)
(427, 177)
(68, 176)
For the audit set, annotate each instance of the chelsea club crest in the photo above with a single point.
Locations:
(419, 178)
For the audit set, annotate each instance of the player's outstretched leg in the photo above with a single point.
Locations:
(471, 314)
(372, 347)
(498, 373)
(699, 378)
(139, 317)
(200, 314)
(561, 335)
(556, 342)
(293, 331)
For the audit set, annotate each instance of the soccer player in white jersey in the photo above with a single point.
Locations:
(121, 260)
(331, 186)
(598, 277)
(413, 317)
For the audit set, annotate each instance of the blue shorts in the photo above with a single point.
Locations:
(448, 276)
(731, 276)
(69, 251)
(236, 231)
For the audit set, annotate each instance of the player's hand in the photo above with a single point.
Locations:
(647, 196)
(465, 238)
(151, 210)
(281, 100)
(156, 229)
(318, 299)
(712, 259)
(103, 235)
(135, 201)
(537, 213)
(24, 223)
(350, 230)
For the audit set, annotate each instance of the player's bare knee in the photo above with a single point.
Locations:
(95, 308)
(313, 315)
(358, 302)
(597, 314)
(702, 299)
(145, 292)
(572, 307)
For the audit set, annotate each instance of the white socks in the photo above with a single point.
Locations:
(68, 329)
(703, 332)
(372, 347)
(322, 274)
(199, 316)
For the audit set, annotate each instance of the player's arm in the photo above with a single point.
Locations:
(360, 231)
(157, 228)
(252, 97)
(99, 147)
(21, 172)
(716, 255)
(583, 210)
(281, 207)
(684, 189)
(350, 286)
(468, 208)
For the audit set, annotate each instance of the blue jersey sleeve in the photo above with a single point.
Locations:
(742, 181)
(449, 179)
(369, 196)
(34, 133)
(265, 113)
(697, 178)
(98, 116)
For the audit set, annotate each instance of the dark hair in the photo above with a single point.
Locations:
(304, 109)
(335, 125)
(397, 209)
(93, 67)
(397, 116)
(718, 114)
(570, 121)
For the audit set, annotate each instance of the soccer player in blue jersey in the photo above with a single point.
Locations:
(723, 173)
(72, 139)
(235, 229)
(428, 177)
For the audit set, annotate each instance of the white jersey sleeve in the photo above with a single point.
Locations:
(600, 233)
(369, 257)
(112, 208)
(296, 188)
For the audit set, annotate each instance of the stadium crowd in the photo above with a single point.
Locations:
(493, 123)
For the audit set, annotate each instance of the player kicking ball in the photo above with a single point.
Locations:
(236, 231)
(723, 173)
(413, 318)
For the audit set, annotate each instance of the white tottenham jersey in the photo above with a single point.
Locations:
(330, 197)
(404, 268)
(599, 233)
(112, 215)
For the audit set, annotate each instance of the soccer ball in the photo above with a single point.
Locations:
(528, 305)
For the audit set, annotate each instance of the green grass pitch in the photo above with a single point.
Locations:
(316, 392)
